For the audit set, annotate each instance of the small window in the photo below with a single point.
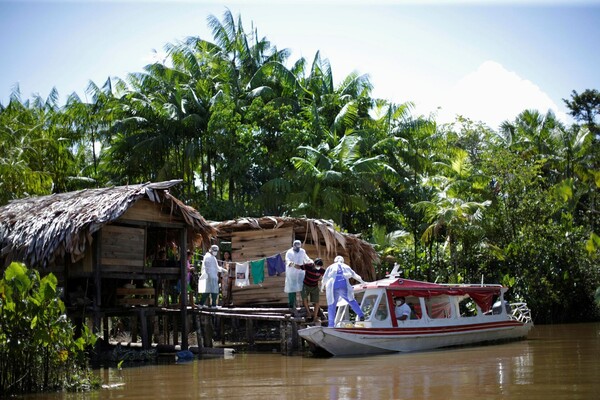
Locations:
(382, 310)
(415, 307)
(438, 307)
(467, 307)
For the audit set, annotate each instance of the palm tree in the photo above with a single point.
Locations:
(35, 156)
(531, 134)
(91, 121)
(334, 181)
(452, 214)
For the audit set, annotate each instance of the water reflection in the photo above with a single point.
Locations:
(460, 373)
(556, 362)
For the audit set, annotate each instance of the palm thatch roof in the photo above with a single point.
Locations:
(321, 233)
(38, 230)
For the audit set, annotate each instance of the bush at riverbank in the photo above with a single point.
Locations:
(38, 348)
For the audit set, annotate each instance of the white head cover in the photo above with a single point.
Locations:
(339, 259)
(214, 247)
(297, 243)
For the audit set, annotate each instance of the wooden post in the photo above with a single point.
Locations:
(207, 330)
(282, 337)
(175, 331)
(250, 334)
(294, 333)
(97, 278)
(105, 330)
(166, 331)
(156, 328)
(222, 327)
(144, 329)
(134, 328)
(183, 293)
(198, 328)
(289, 343)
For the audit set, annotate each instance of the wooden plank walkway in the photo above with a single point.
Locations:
(160, 327)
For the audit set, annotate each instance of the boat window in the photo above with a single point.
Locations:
(415, 307)
(438, 307)
(382, 310)
(467, 307)
(497, 307)
(367, 305)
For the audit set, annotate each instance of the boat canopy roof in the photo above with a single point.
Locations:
(483, 295)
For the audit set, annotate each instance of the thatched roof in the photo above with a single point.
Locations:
(318, 231)
(37, 230)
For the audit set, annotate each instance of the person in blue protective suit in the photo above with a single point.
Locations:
(294, 278)
(336, 282)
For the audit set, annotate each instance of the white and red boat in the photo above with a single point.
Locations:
(443, 315)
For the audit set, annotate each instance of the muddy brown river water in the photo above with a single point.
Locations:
(555, 362)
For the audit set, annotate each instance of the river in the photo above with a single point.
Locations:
(555, 362)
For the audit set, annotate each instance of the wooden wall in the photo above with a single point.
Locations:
(145, 210)
(258, 244)
(122, 249)
(255, 245)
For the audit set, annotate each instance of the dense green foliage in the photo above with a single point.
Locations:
(254, 134)
(38, 351)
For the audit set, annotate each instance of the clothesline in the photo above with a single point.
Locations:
(256, 269)
(222, 262)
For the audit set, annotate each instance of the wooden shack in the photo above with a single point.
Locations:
(256, 239)
(104, 246)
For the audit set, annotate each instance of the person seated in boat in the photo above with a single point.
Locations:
(336, 281)
(403, 310)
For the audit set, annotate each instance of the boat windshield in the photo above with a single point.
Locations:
(368, 304)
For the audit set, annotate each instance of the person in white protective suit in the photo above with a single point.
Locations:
(294, 278)
(336, 282)
(208, 282)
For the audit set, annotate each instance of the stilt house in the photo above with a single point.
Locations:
(111, 248)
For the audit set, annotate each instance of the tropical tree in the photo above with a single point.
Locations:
(91, 122)
(333, 181)
(454, 216)
(585, 107)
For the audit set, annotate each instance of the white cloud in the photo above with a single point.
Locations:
(491, 94)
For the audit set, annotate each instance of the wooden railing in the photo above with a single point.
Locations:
(136, 296)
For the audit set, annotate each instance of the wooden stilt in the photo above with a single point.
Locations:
(166, 330)
(105, 329)
(144, 329)
(198, 328)
(175, 330)
(134, 328)
(207, 330)
(294, 333)
(250, 334)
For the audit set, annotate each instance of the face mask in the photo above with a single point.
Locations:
(317, 267)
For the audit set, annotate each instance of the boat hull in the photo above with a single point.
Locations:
(365, 341)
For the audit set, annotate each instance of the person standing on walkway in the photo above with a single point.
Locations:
(208, 282)
(228, 279)
(310, 289)
(294, 277)
(336, 282)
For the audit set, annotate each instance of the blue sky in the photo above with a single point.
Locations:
(487, 60)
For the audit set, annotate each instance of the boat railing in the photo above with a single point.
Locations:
(520, 312)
